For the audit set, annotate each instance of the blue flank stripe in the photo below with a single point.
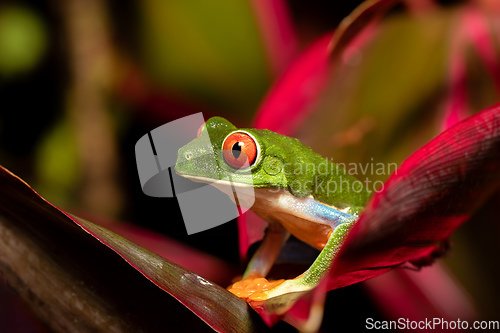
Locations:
(319, 212)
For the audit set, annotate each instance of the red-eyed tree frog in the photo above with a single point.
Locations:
(297, 191)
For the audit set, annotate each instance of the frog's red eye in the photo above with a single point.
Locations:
(202, 127)
(240, 150)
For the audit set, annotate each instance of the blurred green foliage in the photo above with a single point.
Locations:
(23, 39)
(389, 85)
(388, 99)
(58, 165)
(210, 51)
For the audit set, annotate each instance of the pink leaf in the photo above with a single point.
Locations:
(429, 293)
(277, 32)
(296, 90)
(294, 95)
(472, 29)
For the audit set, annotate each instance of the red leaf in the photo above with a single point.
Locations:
(456, 108)
(295, 94)
(430, 195)
(300, 85)
(472, 29)
(277, 32)
(429, 293)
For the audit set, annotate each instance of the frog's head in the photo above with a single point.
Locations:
(246, 157)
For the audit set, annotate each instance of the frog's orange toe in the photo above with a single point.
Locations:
(251, 288)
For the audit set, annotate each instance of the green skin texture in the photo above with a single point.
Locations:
(279, 158)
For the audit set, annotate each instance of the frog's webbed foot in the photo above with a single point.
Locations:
(253, 285)
(256, 288)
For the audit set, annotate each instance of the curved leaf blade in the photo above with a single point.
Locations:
(220, 309)
(365, 14)
(77, 266)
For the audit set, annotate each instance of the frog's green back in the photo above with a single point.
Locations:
(308, 173)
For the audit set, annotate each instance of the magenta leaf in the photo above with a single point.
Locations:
(296, 93)
(428, 293)
(66, 275)
(472, 33)
(432, 193)
(296, 90)
(477, 26)
(277, 32)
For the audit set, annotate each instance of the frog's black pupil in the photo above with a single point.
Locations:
(236, 150)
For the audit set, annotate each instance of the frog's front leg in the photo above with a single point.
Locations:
(310, 278)
(268, 251)
(261, 263)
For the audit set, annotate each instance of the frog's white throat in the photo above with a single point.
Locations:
(296, 214)
(240, 193)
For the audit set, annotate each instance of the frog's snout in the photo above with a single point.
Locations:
(183, 157)
(196, 159)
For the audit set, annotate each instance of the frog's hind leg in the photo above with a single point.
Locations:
(324, 261)
(319, 268)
